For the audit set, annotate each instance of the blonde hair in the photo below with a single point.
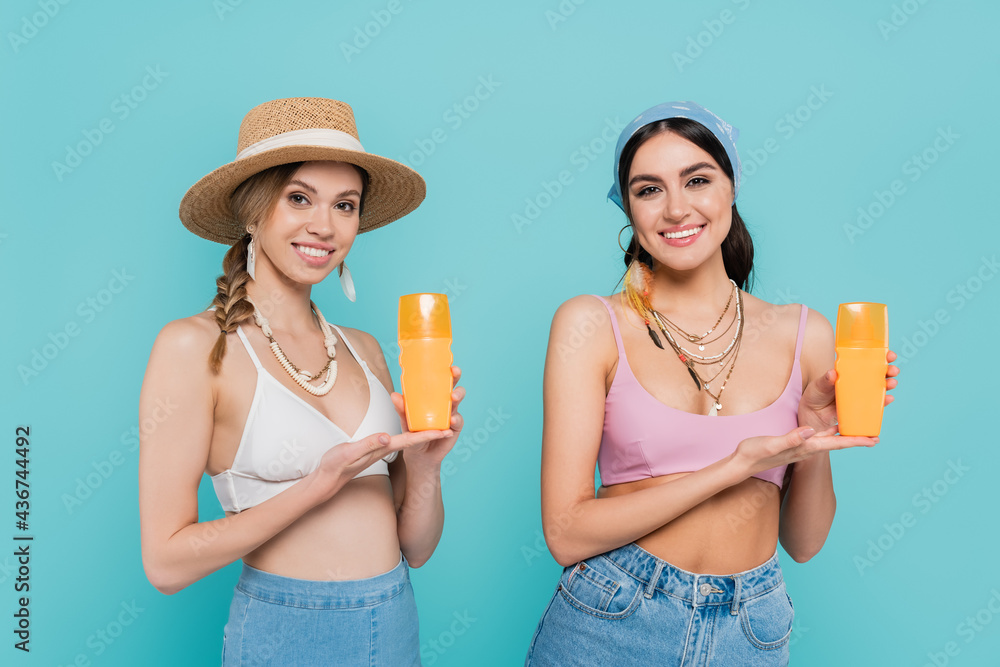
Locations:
(252, 203)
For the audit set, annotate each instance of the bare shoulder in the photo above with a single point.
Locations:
(178, 372)
(193, 334)
(582, 313)
(583, 324)
(771, 312)
(817, 353)
(365, 343)
(371, 352)
(818, 347)
(765, 318)
(182, 349)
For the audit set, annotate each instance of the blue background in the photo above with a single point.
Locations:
(884, 79)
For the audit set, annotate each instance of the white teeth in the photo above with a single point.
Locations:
(682, 235)
(313, 252)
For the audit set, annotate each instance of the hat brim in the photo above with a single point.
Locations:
(393, 190)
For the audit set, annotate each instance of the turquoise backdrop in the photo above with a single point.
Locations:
(867, 178)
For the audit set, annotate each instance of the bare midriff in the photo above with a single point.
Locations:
(733, 531)
(351, 536)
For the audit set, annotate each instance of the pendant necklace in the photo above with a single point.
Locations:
(690, 359)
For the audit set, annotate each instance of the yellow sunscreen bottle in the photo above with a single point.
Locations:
(862, 343)
(425, 358)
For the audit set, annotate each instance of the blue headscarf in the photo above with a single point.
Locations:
(723, 131)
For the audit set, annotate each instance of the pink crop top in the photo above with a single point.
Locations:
(645, 438)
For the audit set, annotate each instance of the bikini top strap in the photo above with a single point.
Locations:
(350, 347)
(246, 344)
(802, 331)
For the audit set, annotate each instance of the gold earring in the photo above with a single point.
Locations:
(620, 237)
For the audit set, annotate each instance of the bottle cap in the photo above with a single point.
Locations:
(424, 316)
(862, 324)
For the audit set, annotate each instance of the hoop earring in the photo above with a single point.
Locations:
(346, 282)
(251, 257)
(620, 237)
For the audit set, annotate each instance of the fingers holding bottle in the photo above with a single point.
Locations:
(890, 375)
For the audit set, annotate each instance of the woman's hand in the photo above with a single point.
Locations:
(818, 408)
(770, 451)
(433, 450)
(341, 463)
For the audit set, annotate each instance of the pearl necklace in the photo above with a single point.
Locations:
(301, 377)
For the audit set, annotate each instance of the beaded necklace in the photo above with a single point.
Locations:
(302, 377)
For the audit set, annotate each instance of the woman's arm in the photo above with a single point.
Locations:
(416, 475)
(577, 525)
(809, 504)
(174, 447)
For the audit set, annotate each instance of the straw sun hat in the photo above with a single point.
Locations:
(298, 129)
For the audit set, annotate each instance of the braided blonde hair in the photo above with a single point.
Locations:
(252, 203)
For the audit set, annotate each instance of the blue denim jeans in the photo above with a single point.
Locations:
(628, 607)
(275, 620)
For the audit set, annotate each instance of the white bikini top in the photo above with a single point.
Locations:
(284, 437)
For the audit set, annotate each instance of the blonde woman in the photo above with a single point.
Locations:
(294, 419)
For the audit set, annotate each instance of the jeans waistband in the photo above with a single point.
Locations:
(698, 589)
(313, 594)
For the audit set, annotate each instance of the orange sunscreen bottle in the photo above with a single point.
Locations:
(425, 358)
(862, 343)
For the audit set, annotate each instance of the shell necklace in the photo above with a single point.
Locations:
(302, 377)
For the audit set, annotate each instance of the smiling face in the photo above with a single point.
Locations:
(680, 201)
(313, 224)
